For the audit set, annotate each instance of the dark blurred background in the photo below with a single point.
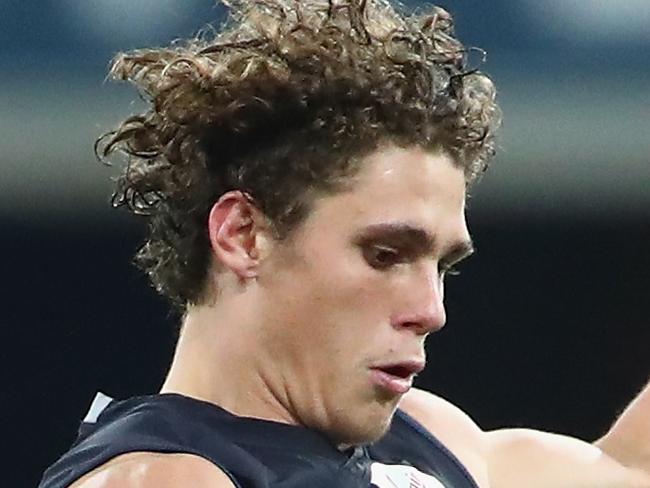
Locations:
(549, 324)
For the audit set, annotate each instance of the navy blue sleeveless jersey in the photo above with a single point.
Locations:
(257, 453)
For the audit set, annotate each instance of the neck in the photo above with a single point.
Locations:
(219, 359)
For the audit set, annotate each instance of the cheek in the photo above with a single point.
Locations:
(352, 298)
(334, 303)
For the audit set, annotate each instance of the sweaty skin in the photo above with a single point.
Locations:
(308, 320)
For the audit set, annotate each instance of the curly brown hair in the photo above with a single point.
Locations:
(282, 103)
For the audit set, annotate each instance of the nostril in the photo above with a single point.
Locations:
(423, 323)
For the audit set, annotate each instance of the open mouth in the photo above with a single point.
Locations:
(398, 370)
(397, 378)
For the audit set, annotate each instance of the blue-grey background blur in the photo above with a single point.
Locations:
(548, 324)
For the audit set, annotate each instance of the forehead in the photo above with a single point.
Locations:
(407, 184)
(392, 174)
(396, 186)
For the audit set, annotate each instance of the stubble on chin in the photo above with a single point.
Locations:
(372, 422)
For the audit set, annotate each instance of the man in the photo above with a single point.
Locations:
(305, 176)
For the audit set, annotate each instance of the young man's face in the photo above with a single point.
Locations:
(349, 299)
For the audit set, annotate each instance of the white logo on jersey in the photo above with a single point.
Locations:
(100, 402)
(397, 476)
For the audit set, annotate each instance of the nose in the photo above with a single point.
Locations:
(425, 309)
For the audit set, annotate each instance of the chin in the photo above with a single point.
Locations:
(367, 425)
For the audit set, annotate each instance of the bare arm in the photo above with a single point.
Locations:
(628, 440)
(155, 470)
(524, 457)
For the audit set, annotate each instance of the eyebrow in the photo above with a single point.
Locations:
(416, 238)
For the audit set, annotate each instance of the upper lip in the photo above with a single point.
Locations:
(404, 368)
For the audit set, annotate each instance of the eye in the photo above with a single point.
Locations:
(381, 257)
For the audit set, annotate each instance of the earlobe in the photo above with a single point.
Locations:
(234, 226)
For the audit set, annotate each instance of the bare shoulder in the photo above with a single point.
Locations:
(155, 470)
(451, 426)
(442, 418)
(512, 458)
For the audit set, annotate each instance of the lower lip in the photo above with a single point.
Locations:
(394, 384)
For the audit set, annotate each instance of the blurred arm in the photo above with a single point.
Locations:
(524, 457)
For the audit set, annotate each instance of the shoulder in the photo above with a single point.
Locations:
(518, 457)
(451, 426)
(446, 421)
(155, 470)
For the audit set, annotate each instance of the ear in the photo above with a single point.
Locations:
(239, 234)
